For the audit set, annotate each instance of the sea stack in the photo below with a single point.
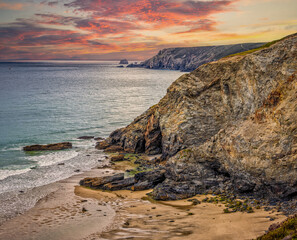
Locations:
(124, 61)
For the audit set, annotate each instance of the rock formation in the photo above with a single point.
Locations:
(48, 147)
(124, 61)
(190, 58)
(140, 181)
(85, 137)
(228, 126)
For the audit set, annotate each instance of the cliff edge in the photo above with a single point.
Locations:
(230, 125)
(189, 58)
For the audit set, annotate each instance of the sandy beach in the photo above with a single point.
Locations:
(75, 212)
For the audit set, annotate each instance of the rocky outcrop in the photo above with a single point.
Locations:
(124, 61)
(190, 58)
(140, 181)
(228, 126)
(49, 147)
(85, 137)
(200, 103)
(98, 182)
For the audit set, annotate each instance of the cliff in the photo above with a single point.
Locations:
(190, 58)
(230, 125)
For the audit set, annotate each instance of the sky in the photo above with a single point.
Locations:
(135, 29)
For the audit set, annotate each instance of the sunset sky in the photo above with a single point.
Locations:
(135, 29)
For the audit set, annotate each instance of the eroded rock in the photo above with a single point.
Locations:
(98, 182)
(228, 126)
(49, 147)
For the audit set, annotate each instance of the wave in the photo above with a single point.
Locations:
(53, 158)
(6, 173)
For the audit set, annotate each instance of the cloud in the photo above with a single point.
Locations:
(50, 3)
(161, 13)
(20, 34)
(100, 27)
(11, 6)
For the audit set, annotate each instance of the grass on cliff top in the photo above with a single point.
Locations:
(287, 228)
(267, 45)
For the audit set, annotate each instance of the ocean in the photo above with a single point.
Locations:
(56, 101)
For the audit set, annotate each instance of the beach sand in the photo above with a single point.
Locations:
(73, 212)
(61, 215)
(143, 219)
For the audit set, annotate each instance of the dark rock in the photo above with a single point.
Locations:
(61, 164)
(86, 137)
(98, 182)
(77, 170)
(135, 65)
(113, 149)
(120, 66)
(148, 180)
(98, 138)
(119, 185)
(49, 147)
(141, 186)
(102, 145)
(117, 158)
(169, 190)
(124, 61)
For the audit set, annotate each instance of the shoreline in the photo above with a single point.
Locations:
(61, 214)
(75, 212)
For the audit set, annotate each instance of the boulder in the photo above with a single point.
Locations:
(49, 147)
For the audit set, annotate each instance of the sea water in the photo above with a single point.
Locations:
(56, 101)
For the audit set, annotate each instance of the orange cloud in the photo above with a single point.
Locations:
(11, 6)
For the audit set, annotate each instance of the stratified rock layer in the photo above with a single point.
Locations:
(229, 125)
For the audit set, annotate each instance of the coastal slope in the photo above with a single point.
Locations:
(189, 58)
(229, 125)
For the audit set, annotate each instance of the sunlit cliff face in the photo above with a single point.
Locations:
(135, 29)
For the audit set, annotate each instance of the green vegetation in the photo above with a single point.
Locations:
(232, 205)
(286, 229)
(186, 153)
(226, 210)
(132, 164)
(256, 49)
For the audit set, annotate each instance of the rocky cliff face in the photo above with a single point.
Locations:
(229, 125)
(188, 59)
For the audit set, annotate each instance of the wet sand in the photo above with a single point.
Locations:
(74, 212)
(62, 215)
